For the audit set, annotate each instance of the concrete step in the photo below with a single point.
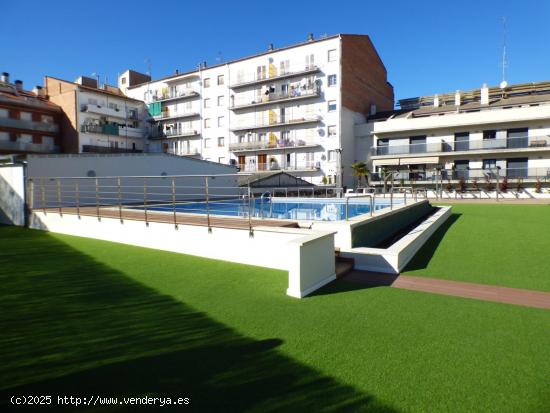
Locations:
(343, 266)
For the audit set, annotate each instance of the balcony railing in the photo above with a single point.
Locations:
(29, 125)
(277, 123)
(180, 133)
(176, 96)
(531, 142)
(258, 78)
(107, 111)
(172, 115)
(276, 166)
(27, 147)
(108, 149)
(278, 144)
(183, 152)
(294, 94)
(478, 174)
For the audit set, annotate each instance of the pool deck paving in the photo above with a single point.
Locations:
(169, 218)
(507, 295)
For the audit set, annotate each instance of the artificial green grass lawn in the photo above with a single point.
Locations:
(85, 317)
(507, 245)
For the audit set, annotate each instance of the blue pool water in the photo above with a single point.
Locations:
(332, 209)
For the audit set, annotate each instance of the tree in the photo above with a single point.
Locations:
(359, 171)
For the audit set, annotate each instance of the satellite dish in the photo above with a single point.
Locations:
(503, 84)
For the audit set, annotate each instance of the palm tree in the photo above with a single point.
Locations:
(359, 171)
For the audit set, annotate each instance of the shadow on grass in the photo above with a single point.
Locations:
(425, 254)
(73, 326)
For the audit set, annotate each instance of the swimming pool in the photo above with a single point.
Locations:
(317, 209)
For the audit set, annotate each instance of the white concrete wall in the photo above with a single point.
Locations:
(307, 255)
(12, 195)
(393, 260)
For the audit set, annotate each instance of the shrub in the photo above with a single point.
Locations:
(449, 186)
(475, 185)
(519, 185)
(461, 185)
(538, 186)
(503, 186)
(325, 180)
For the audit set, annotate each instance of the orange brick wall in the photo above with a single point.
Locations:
(64, 94)
(364, 77)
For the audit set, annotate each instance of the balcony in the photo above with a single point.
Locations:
(130, 132)
(480, 175)
(107, 149)
(276, 166)
(9, 146)
(294, 94)
(170, 115)
(273, 145)
(180, 134)
(531, 143)
(186, 94)
(106, 111)
(257, 79)
(184, 152)
(276, 124)
(51, 128)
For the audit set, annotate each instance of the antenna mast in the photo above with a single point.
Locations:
(504, 57)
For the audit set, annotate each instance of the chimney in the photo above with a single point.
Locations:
(204, 64)
(457, 98)
(310, 37)
(436, 101)
(5, 77)
(484, 94)
(39, 91)
(270, 47)
(19, 84)
(177, 72)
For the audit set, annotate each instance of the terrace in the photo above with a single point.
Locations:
(107, 317)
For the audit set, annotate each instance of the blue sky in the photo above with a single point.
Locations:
(427, 46)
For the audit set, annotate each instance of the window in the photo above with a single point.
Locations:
(331, 130)
(221, 121)
(285, 135)
(489, 134)
(221, 141)
(285, 65)
(284, 89)
(331, 105)
(261, 137)
(221, 101)
(207, 142)
(242, 138)
(206, 103)
(489, 164)
(220, 80)
(260, 72)
(310, 61)
(206, 123)
(92, 101)
(25, 116)
(332, 55)
(332, 80)
(331, 156)
(206, 83)
(123, 80)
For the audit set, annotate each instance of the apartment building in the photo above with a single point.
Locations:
(292, 108)
(478, 134)
(29, 123)
(99, 118)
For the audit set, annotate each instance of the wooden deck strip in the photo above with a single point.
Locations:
(495, 293)
(181, 218)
